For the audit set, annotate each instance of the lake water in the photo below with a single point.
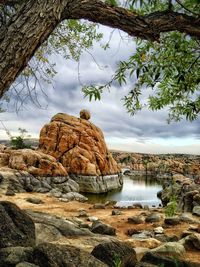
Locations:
(134, 190)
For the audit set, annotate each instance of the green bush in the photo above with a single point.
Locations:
(171, 207)
(18, 142)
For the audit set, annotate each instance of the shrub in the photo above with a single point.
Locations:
(171, 207)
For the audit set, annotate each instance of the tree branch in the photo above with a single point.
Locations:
(146, 27)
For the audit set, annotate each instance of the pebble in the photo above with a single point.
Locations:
(116, 212)
(158, 230)
(92, 219)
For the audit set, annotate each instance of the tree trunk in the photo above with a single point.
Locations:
(35, 21)
(27, 30)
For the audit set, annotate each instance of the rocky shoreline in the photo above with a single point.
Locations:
(46, 222)
(55, 233)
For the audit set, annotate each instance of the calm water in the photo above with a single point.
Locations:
(134, 190)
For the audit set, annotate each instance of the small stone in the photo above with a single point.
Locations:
(136, 219)
(92, 219)
(147, 242)
(116, 212)
(34, 200)
(137, 205)
(85, 114)
(193, 228)
(146, 207)
(153, 217)
(55, 193)
(185, 233)
(196, 210)
(63, 199)
(10, 192)
(82, 213)
(143, 235)
(99, 206)
(158, 230)
(172, 220)
(103, 229)
(131, 232)
(84, 225)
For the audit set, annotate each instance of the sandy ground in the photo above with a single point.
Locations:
(71, 209)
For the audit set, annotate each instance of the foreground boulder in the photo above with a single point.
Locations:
(16, 227)
(11, 256)
(162, 260)
(80, 147)
(54, 255)
(115, 254)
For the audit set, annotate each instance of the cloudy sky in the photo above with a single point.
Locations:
(146, 132)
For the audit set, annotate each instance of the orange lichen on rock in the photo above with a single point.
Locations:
(36, 163)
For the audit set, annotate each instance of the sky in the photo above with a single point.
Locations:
(146, 132)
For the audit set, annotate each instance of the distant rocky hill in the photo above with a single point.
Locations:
(185, 164)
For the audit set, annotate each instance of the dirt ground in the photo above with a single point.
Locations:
(71, 209)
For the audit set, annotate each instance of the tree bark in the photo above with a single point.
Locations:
(35, 21)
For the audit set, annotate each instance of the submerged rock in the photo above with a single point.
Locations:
(98, 184)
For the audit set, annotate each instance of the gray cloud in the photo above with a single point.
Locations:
(146, 132)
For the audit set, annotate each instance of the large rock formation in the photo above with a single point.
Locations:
(80, 147)
(78, 144)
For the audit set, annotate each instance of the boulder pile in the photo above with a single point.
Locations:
(71, 148)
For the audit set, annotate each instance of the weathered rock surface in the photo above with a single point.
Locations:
(67, 145)
(11, 256)
(14, 181)
(111, 252)
(196, 210)
(102, 228)
(170, 248)
(98, 184)
(16, 227)
(185, 191)
(54, 255)
(54, 225)
(78, 144)
(165, 261)
(191, 241)
(34, 162)
(160, 166)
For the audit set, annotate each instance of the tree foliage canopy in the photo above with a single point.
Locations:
(166, 63)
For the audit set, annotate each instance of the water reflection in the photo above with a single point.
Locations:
(135, 189)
